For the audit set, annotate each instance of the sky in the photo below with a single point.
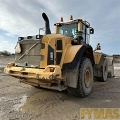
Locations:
(23, 18)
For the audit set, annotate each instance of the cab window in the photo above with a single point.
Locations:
(68, 29)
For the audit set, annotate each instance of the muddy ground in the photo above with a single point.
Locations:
(19, 101)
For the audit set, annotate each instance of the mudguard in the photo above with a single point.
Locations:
(83, 51)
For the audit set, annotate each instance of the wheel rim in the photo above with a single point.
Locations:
(87, 77)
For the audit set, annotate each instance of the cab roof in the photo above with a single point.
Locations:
(73, 21)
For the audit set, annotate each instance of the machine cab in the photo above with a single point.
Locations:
(78, 30)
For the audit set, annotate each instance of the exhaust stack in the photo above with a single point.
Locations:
(47, 26)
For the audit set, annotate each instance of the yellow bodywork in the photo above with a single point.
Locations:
(71, 52)
(97, 57)
(68, 53)
(51, 40)
(43, 74)
(34, 73)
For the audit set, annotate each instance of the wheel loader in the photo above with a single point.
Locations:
(63, 60)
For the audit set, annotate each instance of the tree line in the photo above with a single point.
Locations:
(6, 53)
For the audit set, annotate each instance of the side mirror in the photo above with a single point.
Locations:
(91, 30)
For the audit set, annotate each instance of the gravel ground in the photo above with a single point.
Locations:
(19, 101)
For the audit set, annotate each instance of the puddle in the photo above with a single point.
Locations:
(17, 107)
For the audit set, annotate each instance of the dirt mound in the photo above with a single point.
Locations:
(116, 58)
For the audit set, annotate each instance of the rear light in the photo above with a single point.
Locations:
(52, 69)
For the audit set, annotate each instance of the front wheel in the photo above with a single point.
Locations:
(85, 79)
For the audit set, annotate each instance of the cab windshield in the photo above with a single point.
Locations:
(68, 29)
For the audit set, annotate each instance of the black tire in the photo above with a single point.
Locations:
(104, 72)
(85, 79)
(111, 71)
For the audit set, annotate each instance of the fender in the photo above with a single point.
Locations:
(83, 51)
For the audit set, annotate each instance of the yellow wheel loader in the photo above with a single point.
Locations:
(60, 61)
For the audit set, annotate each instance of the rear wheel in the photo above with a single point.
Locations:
(110, 71)
(104, 72)
(85, 79)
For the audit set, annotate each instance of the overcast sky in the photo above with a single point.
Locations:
(23, 18)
